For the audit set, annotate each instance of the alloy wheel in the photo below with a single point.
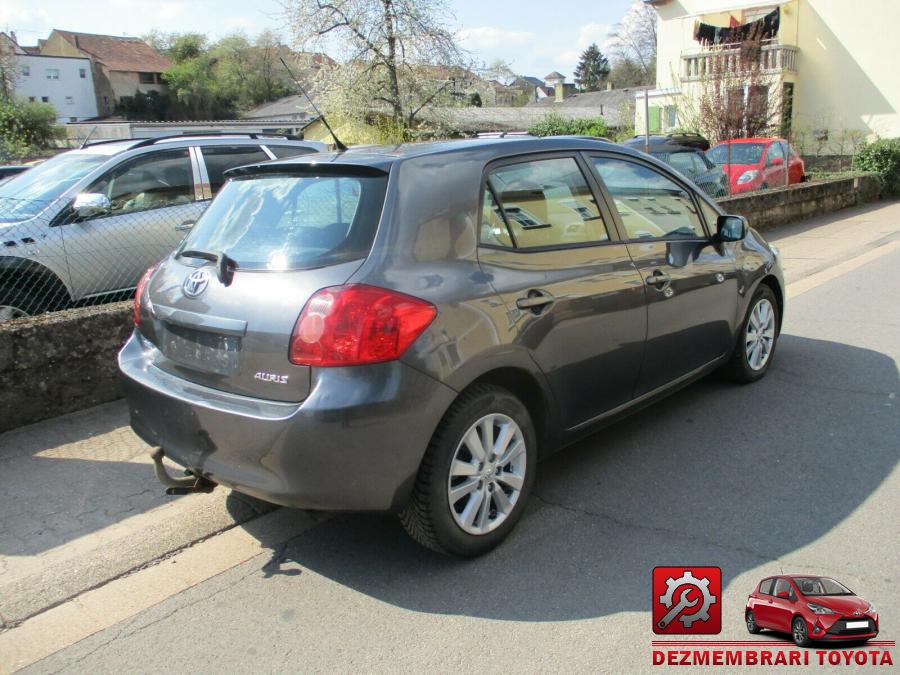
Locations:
(751, 622)
(760, 335)
(799, 631)
(487, 473)
(8, 312)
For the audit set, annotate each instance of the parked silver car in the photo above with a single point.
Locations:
(86, 223)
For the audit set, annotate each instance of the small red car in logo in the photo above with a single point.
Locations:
(810, 608)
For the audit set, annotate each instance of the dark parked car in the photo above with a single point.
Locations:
(811, 609)
(10, 170)
(685, 153)
(408, 328)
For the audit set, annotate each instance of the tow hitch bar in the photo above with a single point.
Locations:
(179, 486)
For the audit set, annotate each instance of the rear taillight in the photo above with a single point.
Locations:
(139, 293)
(357, 324)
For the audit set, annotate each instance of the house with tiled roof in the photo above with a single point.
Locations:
(65, 82)
(122, 66)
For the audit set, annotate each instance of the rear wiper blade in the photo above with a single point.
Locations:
(225, 266)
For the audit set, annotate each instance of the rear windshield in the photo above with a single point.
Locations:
(285, 222)
(741, 153)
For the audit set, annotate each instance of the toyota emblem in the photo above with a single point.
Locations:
(194, 285)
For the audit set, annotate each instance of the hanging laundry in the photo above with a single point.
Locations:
(761, 29)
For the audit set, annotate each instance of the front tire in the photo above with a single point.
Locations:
(476, 476)
(757, 337)
(800, 633)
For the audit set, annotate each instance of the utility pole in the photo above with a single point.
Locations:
(647, 121)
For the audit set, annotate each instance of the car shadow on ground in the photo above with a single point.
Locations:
(716, 474)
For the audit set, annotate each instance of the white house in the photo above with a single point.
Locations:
(64, 82)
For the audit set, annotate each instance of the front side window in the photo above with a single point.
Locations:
(774, 152)
(282, 222)
(782, 585)
(650, 205)
(152, 181)
(544, 203)
(221, 158)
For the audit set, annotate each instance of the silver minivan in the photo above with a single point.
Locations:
(85, 224)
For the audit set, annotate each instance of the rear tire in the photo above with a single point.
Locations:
(759, 327)
(16, 303)
(466, 500)
(752, 626)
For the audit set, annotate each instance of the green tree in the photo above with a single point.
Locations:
(592, 70)
(25, 127)
(193, 81)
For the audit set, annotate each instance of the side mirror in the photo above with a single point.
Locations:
(90, 204)
(776, 161)
(783, 594)
(731, 228)
(186, 226)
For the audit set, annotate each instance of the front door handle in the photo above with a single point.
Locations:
(658, 279)
(536, 301)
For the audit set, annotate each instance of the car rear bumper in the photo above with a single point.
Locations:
(355, 443)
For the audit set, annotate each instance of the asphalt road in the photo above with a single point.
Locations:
(799, 471)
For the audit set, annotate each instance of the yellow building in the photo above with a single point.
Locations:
(832, 63)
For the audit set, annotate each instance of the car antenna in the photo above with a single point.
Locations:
(87, 138)
(337, 141)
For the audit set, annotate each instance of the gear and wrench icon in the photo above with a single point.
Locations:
(688, 579)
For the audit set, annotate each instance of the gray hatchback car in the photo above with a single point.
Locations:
(410, 328)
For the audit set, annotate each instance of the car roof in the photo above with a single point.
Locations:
(114, 146)
(756, 139)
(381, 157)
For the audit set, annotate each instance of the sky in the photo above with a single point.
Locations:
(535, 36)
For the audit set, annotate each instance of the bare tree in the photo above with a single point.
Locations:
(634, 40)
(386, 45)
(9, 66)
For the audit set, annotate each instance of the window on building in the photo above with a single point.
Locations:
(26, 70)
(45, 99)
(70, 100)
(31, 98)
(82, 73)
(52, 73)
(147, 78)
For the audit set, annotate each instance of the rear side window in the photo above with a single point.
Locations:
(221, 158)
(765, 587)
(542, 203)
(282, 151)
(281, 222)
(651, 205)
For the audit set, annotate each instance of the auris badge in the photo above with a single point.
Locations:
(194, 285)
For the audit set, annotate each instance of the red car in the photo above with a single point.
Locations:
(758, 163)
(810, 608)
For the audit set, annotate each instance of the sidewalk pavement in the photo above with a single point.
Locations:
(81, 505)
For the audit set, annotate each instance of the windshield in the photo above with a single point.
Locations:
(821, 586)
(741, 153)
(29, 193)
(291, 222)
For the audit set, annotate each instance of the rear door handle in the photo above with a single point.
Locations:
(658, 279)
(535, 301)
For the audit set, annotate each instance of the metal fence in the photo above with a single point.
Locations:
(57, 255)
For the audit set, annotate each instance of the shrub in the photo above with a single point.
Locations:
(25, 127)
(882, 158)
(557, 125)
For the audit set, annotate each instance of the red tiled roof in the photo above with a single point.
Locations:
(129, 54)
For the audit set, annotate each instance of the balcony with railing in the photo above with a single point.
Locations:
(773, 59)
